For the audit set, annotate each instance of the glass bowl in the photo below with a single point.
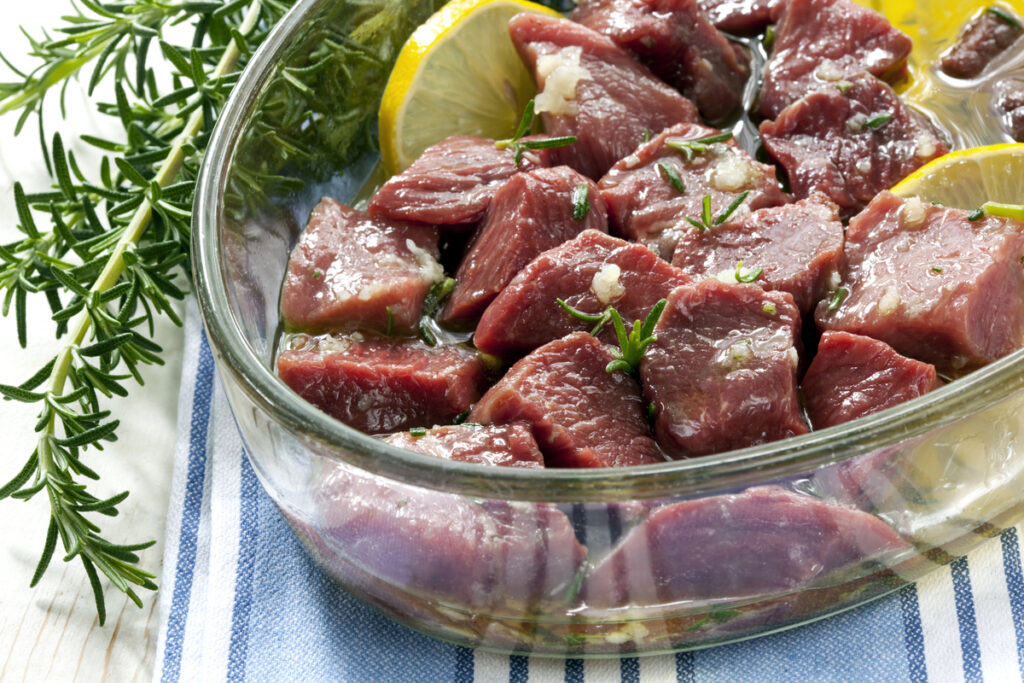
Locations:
(649, 559)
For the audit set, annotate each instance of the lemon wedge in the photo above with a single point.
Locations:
(458, 74)
(968, 178)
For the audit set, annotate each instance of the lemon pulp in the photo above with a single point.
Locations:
(458, 74)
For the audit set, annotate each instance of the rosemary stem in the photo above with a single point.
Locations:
(140, 219)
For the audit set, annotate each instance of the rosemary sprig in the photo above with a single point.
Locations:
(518, 146)
(706, 222)
(116, 253)
(689, 148)
(632, 345)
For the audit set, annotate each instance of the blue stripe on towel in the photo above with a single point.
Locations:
(913, 634)
(965, 617)
(518, 669)
(684, 668)
(1015, 587)
(574, 671)
(629, 670)
(248, 529)
(178, 617)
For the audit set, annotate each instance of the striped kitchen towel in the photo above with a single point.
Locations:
(241, 599)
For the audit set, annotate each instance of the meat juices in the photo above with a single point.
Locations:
(722, 373)
(591, 272)
(676, 40)
(591, 88)
(580, 414)
(532, 212)
(820, 42)
(852, 376)
(351, 271)
(931, 283)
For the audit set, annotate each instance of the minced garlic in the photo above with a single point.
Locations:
(560, 72)
(605, 285)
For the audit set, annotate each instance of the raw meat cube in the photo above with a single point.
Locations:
(590, 273)
(506, 445)
(796, 246)
(350, 271)
(983, 39)
(739, 16)
(758, 542)
(382, 385)
(850, 143)
(931, 283)
(581, 415)
(675, 40)
(722, 373)
(531, 213)
(452, 182)
(1008, 102)
(646, 204)
(491, 555)
(852, 375)
(593, 89)
(821, 42)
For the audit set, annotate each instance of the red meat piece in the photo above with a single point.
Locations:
(677, 41)
(931, 283)
(644, 203)
(380, 386)
(580, 414)
(852, 376)
(531, 213)
(610, 107)
(589, 273)
(819, 42)
(505, 445)
(722, 373)
(348, 270)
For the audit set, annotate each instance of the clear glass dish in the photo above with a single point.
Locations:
(494, 557)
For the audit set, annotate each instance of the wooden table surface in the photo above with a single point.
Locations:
(50, 633)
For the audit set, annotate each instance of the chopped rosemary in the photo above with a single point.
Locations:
(936, 270)
(769, 308)
(747, 274)
(691, 147)
(706, 221)
(518, 145)
(646, 135)
(879, 120)
(769, 38)
(976, 215)
(391, 321)
(317, 274)
(417, 432)
(1004, 15)
(1004, 210)
(672, 176)
(580, 201)
(436, 295)
(838, 298)
(632, 345)
(844, 86)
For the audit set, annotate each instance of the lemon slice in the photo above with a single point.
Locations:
(458, 74)
(969, 178)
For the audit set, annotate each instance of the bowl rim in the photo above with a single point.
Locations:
(892, 427)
